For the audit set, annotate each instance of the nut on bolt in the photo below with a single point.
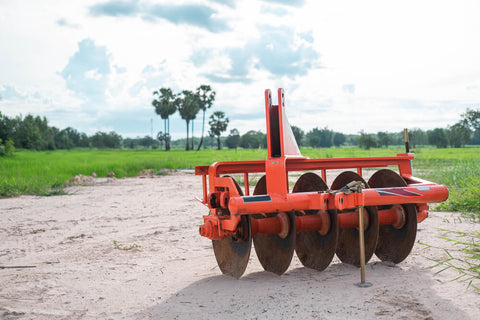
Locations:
(213, 200)
(206, 230)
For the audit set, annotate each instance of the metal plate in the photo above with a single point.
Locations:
(232, 253)
(348, 248)
(315, 250)
(275, 253)
(394, 245)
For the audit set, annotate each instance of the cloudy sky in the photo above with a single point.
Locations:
(347, 65)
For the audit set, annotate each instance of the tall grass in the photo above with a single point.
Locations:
(43, 173)
(463, 179)
(459, 170)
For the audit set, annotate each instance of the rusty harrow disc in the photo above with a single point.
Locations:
(348, 249)
(232, 252)
(395, 243)
(316, 249)
(274, 252)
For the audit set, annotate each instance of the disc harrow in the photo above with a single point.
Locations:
(314, 220)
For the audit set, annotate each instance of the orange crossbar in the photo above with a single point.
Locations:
(341, 201)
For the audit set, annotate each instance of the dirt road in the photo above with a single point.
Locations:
(130, 249)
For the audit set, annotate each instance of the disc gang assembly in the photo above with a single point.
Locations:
(312, 219)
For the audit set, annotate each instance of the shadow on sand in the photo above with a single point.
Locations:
(307, 294)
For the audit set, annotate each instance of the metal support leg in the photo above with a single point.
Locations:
(361, 231)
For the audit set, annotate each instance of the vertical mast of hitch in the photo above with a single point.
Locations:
(281, 145)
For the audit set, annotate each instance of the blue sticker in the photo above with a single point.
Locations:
(259, 198)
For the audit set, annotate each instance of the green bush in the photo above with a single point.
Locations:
(6, 149)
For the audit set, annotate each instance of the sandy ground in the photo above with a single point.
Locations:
(130, 249)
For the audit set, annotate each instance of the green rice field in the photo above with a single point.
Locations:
(44, 173)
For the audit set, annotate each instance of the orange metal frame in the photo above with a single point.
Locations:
(220, 191)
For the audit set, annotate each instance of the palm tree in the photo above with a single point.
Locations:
(188, 107)
(218, 124)
(165, 106)
(207, 96)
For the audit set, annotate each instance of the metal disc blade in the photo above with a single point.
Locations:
(232, 254)
(394, 245)
(348, 248)
(315, 250)
(275, 253)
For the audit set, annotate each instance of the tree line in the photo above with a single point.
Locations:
(465, 131)
(34, 133)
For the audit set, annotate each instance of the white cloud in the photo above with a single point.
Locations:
(348, 65)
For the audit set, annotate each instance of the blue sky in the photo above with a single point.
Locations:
(347, 65)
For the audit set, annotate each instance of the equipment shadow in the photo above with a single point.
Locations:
(304, 293)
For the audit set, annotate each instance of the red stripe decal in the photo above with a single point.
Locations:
(397, 192)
